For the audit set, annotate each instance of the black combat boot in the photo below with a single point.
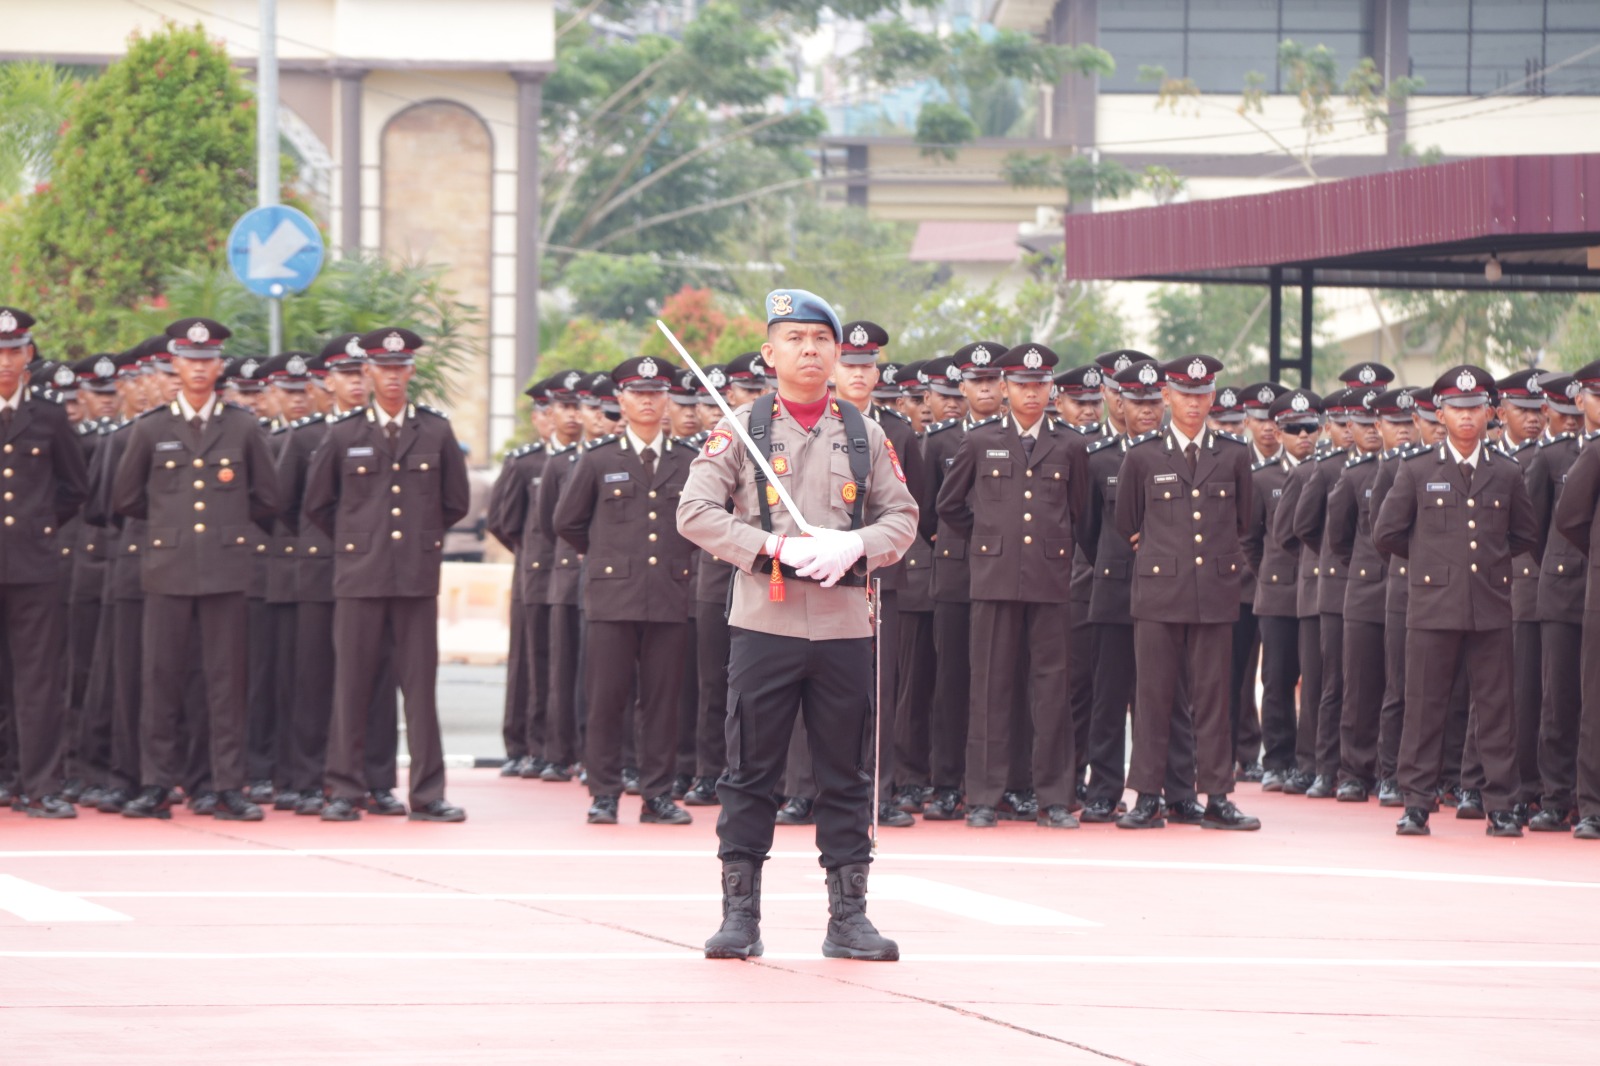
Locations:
(740, 935)
(851, 934)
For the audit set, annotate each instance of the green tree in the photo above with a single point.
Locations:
(1076, 320)
(1577, 342)
(1503, 327)
(153, 169)
(1233, 323)
(589, 345)
(35, 99)
(694, 319)
(742, 334)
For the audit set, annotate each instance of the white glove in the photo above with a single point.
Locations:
(837, 551)
(795, 552)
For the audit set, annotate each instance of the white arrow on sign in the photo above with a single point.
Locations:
(267, 258)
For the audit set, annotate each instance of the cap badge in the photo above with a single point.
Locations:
(198, 334)
(394, 343)
(1367, 375)
(570, 382)
(1032, 360)
(1465, 381)
(1091, 378)
(104, 368)
(1147, 374)
(1265, 395)
(8, 322)
(64, 375)
(886, 375)
(717, 378)
(952, 372)
(248, 368)
(922, 377)
(296, 366)
(1300, 403)
(980, 356)
(1366, 400)
(1404, 401)
(1533, 386)
(353, 348)
(1572, 390)
(858, 336)
(782, 303)
(1197, 369)
(1122, 363)
(1227, 398)
(647, 368)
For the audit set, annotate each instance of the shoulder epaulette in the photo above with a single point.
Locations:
(591, 445)
(1263, 464)
(1145, 438)
(1364, 457)
(942, 426)
(991, 420)
(147, 414)
(1333, 455)
(264, 423)
(1225, 435)
(563, 449)
(1416, 451)
(884, 409)
(1557, 439)
(434, 411)
(347, 415)
(1091, 430)
(282, 429)
(1102, 443)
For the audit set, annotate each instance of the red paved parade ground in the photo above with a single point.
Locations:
(525, 935)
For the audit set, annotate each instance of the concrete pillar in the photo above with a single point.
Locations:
(530, 105)
(350, 158)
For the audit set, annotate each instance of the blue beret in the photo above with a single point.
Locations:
(798, 305)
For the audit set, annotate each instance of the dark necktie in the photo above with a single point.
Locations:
(1191, 452)
(198, 426)
(393, 431)
(5, 416)
(1027, 445)
(1466, 472)
(648, 458)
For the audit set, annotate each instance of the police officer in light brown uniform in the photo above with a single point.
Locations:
(385, 484)
(809, 651)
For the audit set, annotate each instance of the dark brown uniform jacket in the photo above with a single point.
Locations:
(566, 563)
(1310, 521)
(1282, 530)
(1110, 554)
(207, 503)
(45, 481)
(1277, 568)
(1191, 526)
(313, 548)
(952, 579)
(1524, 568)
(1576, 510)
(386, 508)
(1349, 535)
(1458, 538)
(1563, 570)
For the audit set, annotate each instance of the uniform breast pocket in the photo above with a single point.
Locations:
(1155, 565)
(422, 471)
(994, 479)
(168, 467)
(607, 569)
(1439, 511)
(1163, 490)
(1494, 513)
(618, 492)
(841, 484)
(1052, 480)
(1222, 490)
(359, 473)
(224, 473)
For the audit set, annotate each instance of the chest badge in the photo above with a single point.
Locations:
(225, 475)
(718, 443)
(780, 464)
(848, 492)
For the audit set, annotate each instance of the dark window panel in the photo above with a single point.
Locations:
(1581, 78)
(1501, 60)
(1438, 15)
(1440, 60)
(1142, 15)
(1233, 15)
(1302, 15)
(1572, 15)
(1218, 62)
(1497, 15)
(1132, 50)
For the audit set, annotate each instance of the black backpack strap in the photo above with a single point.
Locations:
(855, 431)
(761, 413)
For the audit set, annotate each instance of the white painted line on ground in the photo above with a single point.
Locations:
(967, 903)
(1453, 877)
(36, 903)
(1250, 961)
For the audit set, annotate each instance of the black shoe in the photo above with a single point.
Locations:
(660, 810)
(89, 797)
(982, 816)
(233, 807)
(797, 811)
(259, 792)
(1470, 805)
(340, 810)
(1414, 823)
(893, 817)
(1098, 811)
(1322, 787)
(287, 800)
(1146, 814)
(851, 935)
(203, 804)
(1056, 816)
(112, 801)
(383, 801)
(908, 799)
(1522, 812)
(311, 803)
(153, 801)
(1186, 812)
(681, 783)
(71, 790)
(1501, 824)
(703, 793)
(630, 781)
(1297, 783)
(943, 806)
(51, 807)
(440, 810)
(1587, 829)
(512, 767)
(1272, 780)
(5, 795)
(555, 772)
(1018, 806)
(603, 811)
(1389, 793)
(1351, 792)
(1447, 795)
(740, 935)
(1251, 772)
(1222, 814)
(1551, 820)
(532, 768)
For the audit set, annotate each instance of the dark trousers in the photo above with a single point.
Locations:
(286, 665)
(1200, 652)
(561, 719)
(1280, 673)
(688, 717)
(536, 656)
(618, 652)
(176, 629)
(1330, 708)
(1589, 722)
(93, 744)
(1083, 644)
(951, 691)
(914, 699)
(1305, 737)
(886, 683)
(33, 619)
(1363, 702)
(1525, 700)
(1561, 648)
(711, 675)
(514, 716)
(261, 689)
(772, 679)
(127, 689)
(362, 628)
(314, 681)
(87, 755)
(1246, 659)
(1433, 659)
(1004, 632)
(1392, 714)
(1114, 679)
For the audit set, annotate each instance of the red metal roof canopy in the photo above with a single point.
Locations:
(1428, 227)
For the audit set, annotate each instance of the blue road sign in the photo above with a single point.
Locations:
(275, 250)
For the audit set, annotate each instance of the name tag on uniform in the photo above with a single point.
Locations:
(997, 453)
(1276, 493)
(1162, 479)
(537, 480)
(620, 475)
(169, 446)
(1369, 494)
(357, 452)
(1110, 481)
(950, 461)
(1440, 486)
